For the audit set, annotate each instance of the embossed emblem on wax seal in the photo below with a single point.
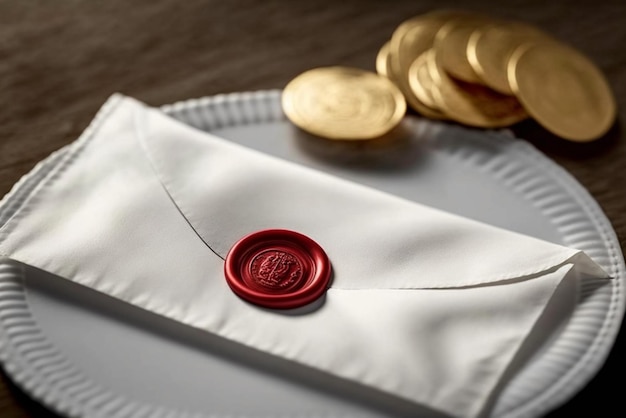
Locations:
(278, 269)
(275, 269)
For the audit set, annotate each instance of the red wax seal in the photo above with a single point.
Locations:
(277, 268)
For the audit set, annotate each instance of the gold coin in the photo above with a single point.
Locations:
(410, 97)
(563, 90)
(343, 103)
(424, 110)
(413, 41)
(490, 48)
(381, 60)
(409, 41)
(472, 104)
(402, 43)
(451, 44)
(415, 36)
(420, 80)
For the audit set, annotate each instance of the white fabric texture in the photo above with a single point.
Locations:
(424, 305)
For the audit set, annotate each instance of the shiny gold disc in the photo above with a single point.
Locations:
(473, 104)
(343, 103)
(490, 47)
(451, 44)
(383, 67)
(424, 110)
(409, 41)
(415, 42)
(382, 58)
(420, 80)
(563, 90)
(416, 35)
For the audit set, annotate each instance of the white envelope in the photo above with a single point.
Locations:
(424, 305)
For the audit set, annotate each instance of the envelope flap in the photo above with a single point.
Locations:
(373, 239)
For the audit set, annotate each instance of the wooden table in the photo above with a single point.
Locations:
(60, 60)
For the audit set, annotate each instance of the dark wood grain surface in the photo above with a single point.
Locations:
(60, 60)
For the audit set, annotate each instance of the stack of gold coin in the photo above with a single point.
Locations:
(343, 103)
(489, 73)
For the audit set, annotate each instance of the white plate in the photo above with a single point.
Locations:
(84, 354)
